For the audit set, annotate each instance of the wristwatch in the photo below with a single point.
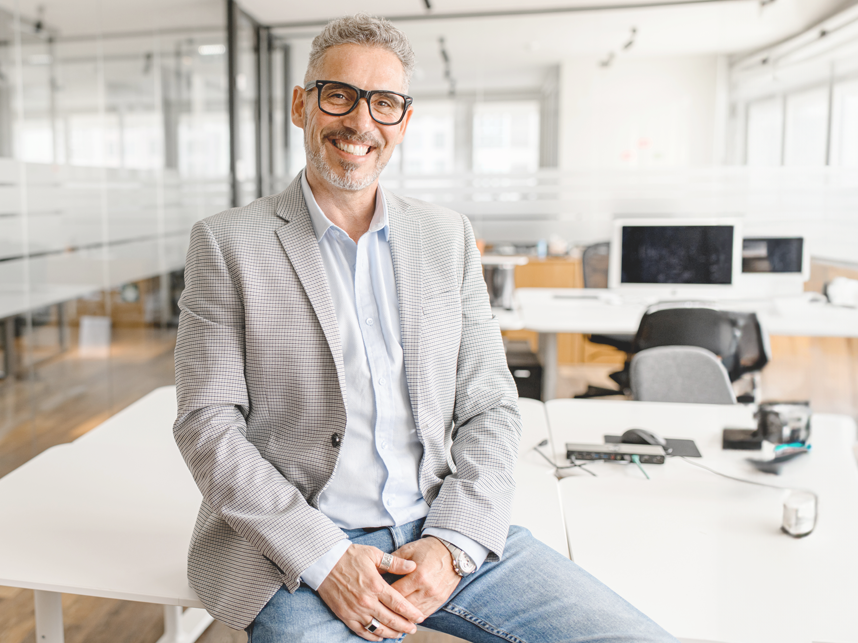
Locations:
(462, 563)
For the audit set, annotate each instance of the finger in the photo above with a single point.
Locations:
(400, 566)
(406, 586)
(403, 551)
(392, 625)
(362, 632)
(396, 603)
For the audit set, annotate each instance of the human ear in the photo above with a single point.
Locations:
(298, 106)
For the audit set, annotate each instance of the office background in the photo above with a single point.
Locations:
(123, 123)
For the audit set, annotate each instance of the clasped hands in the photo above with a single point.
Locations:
(356, 592)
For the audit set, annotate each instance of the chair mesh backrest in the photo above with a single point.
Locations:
(594, 262)
(690, 326)
(686, 374)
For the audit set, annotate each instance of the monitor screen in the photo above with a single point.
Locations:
(677, 254)
(784, 255)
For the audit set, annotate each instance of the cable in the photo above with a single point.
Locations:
(556, 468)
(637, 460)
(792, 490)
(745, 480)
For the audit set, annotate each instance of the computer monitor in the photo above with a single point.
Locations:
(681, 256)
(775, 256)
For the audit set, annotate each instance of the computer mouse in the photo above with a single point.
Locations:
(642, 436)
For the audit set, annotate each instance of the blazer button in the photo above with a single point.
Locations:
(336, 440)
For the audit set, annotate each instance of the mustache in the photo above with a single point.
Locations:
(350, 136)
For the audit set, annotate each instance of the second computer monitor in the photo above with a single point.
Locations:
(675, 253)
(775, 256)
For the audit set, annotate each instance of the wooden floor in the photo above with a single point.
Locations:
(69, 395)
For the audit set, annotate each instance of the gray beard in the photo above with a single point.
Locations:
(346, 182)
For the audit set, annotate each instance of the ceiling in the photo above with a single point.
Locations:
(710, 26)
(490, 51)
(728, 26)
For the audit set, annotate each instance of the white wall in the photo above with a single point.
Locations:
(639, 112)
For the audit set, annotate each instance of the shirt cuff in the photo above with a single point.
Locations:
(472, 548)
(316, 573)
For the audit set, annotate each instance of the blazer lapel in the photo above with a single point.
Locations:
(299, 241)
(406, 252)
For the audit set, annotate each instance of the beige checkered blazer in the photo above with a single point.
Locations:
(259, 370)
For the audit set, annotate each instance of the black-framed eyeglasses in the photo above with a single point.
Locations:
(338, 99)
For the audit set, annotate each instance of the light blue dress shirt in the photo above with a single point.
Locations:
(376, 480)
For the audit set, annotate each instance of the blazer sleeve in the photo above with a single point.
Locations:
(476, 499)
(239, 485)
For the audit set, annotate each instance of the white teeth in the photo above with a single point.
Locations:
(357, 150)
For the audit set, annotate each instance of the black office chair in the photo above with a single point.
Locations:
(689, 324)
(683, 324)
(736, 338)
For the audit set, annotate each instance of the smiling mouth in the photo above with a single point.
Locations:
(351, 148)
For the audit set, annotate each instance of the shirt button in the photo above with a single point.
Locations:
(383, 444)
(336, 440)
(369, 321)
(381, 381)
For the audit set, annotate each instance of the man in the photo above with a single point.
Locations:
(334, 339)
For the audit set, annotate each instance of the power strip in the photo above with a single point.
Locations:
(648, 454)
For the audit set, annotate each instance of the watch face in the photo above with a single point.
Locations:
(466, 564)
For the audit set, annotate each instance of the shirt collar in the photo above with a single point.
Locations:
(321, 223)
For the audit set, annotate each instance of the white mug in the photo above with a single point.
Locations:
(799, 513)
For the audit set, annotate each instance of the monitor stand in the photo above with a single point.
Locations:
(646, 294)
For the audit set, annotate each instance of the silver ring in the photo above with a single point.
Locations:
(384, 565)
(372, 627)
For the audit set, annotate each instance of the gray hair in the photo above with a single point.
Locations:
(361, 29)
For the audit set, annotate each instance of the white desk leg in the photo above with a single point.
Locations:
(548, 356)
(184, 627)
(49, 617)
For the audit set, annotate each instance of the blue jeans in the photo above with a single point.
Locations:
(533, 595)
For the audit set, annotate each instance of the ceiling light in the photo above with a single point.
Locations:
(448, 73)
(212, 50)
(631, 39)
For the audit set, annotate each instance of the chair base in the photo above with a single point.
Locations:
(598, 391)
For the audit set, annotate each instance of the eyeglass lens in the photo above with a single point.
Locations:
(338, 99)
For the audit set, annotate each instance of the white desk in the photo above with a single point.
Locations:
(549, 311)
(536, 504)
(111, 515)
(703, 555)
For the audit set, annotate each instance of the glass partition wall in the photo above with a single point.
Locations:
(111, 147)
(260, 96)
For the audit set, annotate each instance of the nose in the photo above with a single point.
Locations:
(359, 118)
